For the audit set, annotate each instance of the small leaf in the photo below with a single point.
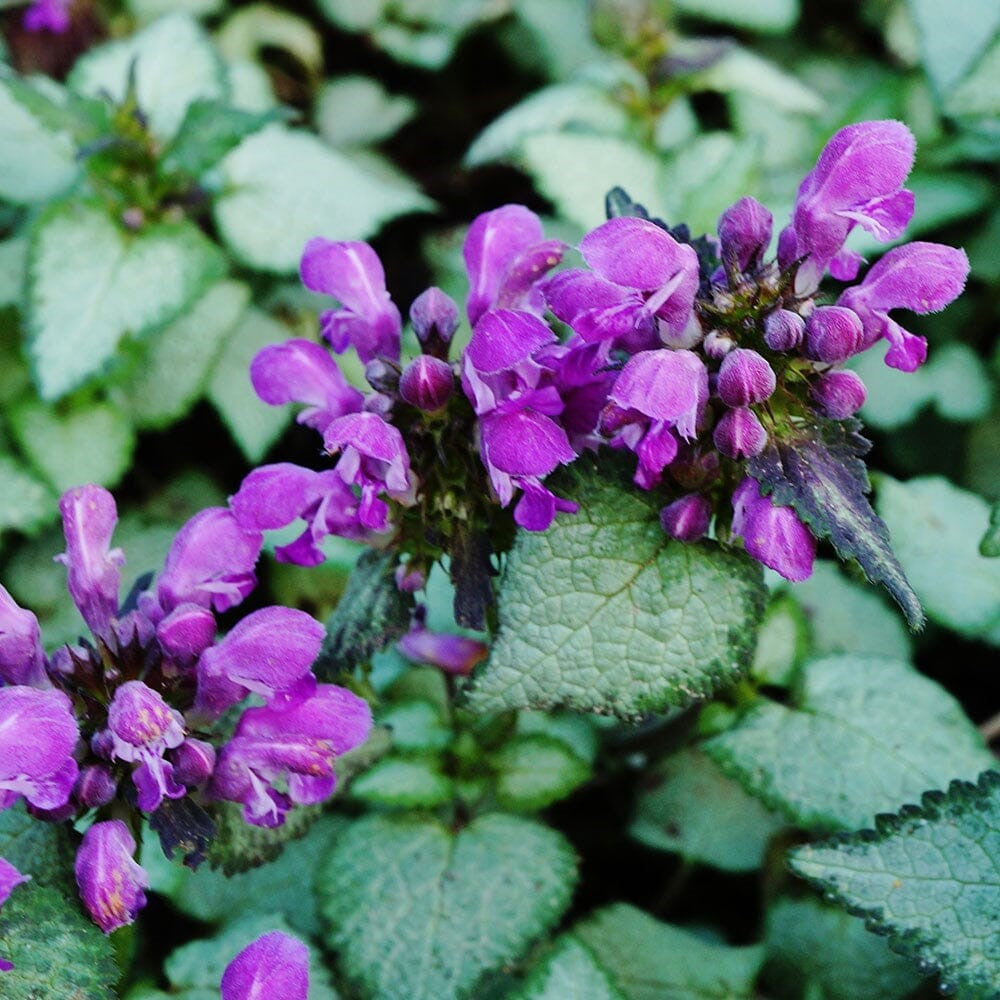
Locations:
(284, 187)
(937, 528)
(817, 470)
(650, 960)
(418, 911)
(255, 426)
(175, 65)
(979, 92)
(357, 110)
(416, 725)
(928, 877)
(239, 846)
(26, 502)
(56, 950)
(782, 642)
(568, 972)
(404, 782)
(688, 806)
(848, 711)
(743, 71)
(602, 612)
(372, 613)
(87, 444)
(989, 546)
(89, 284)
(768, 15)
(812, 943)
(949, 47)
(536, 770)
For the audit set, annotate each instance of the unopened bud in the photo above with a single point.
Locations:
(745, 378)
(739, 434)
(833, 334)
(435, 319)
(382, 376)
(783, 330)
(687, 519)
(744, 232)
(839, 395)
(717, 344)
(194, 762)
(95, 786)
(427, 383)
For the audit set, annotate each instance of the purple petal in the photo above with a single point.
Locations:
(10, 879)
(274, 966)
(435, 319)
(635, 253)
(494, 241)
(524, 443)
(505, 337)
(186, 632)
(111, 882)
(688, 518)
(838, 395)
(22, 659)
(374, 451)
(745, 378)
(739, 434)
(48, 15)
(139, 717)
(454, 654)
(671, 386)
(273, 496)
(744, 232)
(537, 507)
(656, 450)
(525, 272)
(89, 517)
(772, 535)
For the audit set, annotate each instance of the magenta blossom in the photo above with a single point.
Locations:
(10, 879)
(48, 15)
(773, 535)
(454, 654)
(111, 882)
(274, 966)
(22, 659)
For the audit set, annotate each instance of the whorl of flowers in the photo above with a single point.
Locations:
(692, 354)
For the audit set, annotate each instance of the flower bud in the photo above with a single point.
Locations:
(382, 376)
(410, 577)
(194, 761)
(95, 786)
(687, 519)
(693, 471)
(434, 316)
(773, 535)
(454, 654)
(783, 330)
(111, 882)
(427, 383)
(744, 232)
(833, 334)
(839, 394)
(186, 632)
(739, 434)
(745, 378)
(275, 965)
(717, 344)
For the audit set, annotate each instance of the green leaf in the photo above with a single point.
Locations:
(849, 711)
(650, 960)
(356, 16)
(577, 733)
(90, 443)
(357, 110)
(950, 45)
(743, 71)
(568, 972)
(404, 782)
(928, 877)
(979, 92)
(848, 617)
(175, 65)
(686, 805)
(989, 546)
(416, 725)
(937, 528)
(255, 425)
(26, 503)
(13, 267)
(36, 162)
(56, 950)
(536, 770)
(574, 107)
(210, 129)
(765, 15)
(284, 187)
(42, 850)
(782, 642)
(145, 11)
(89, 283)
(200, 964)
(172, 365)
(372, 613)
(810, 943)
(817, 470)
(418, 911)
(240, 846)
(602, 612)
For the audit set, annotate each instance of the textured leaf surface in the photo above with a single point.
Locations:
(568, 972)
(650, 960)
(41, 850)
(89, 283)
(688, 806)
(284, 187)
(405, 782)
(812, 943)
(357, 110)
(416, 725)
(929, 878)
(937, 527)
(25, 501)
(817, 471)
(254, 425)
(417, 911)
(240, 846)
(536, 770)
(56, 950)
(173, 364)
(848, 710)
(372, 613)
(602, 612)
(175, 64)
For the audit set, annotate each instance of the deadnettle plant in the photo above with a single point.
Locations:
(126, 723)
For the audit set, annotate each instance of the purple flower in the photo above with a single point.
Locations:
(111, 881)
(274, 966)
(352, 273)
(745, 378)
(923, 277)
(838, 395)
(739, 434)
(687, 519)
(374, 458)
(10, 879)
(783, 330)
(435, 319)
(744, 233)
(194, 761)
(185, 633)
(48, 15)
(454, 654)
(772, 535)
(267, 652)
(506, 255)
(89, 517)
(856, 181)
(142, 727)
(38, 734)
(427, 383)
(300, 371)
(210, 563)
(833, 334)
(22, 659)
(294, 739)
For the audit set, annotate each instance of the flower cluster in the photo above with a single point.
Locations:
(124, 723)
(691, 354)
